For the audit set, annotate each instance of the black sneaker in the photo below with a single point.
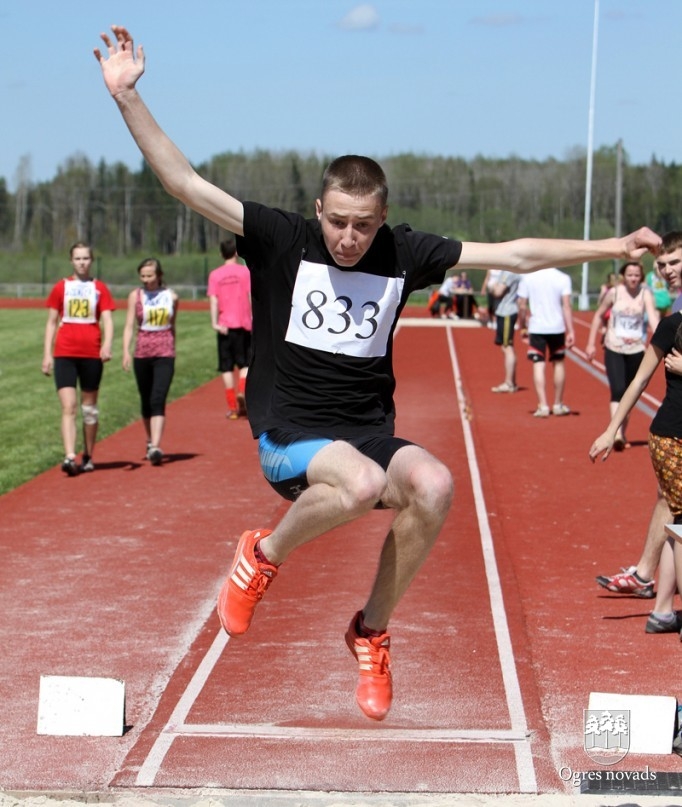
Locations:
(87, 465)
(655, 624)
(155, 456)
(69, 466)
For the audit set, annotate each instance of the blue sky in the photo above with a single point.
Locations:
(448, 77)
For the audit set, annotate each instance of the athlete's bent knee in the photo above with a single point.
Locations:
(366, 488)
(90, 414)
(433, 486)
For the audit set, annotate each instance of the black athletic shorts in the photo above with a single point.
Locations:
(234, 349)
(504, 330)
(70, 372)
(540, 344)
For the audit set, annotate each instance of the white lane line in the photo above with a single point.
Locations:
(524, 758)
(152, 764)
(271, 730)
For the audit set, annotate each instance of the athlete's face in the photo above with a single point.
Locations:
(148, 278)
(669, 265)
(632, 277)
(349, 224)
(81, 260)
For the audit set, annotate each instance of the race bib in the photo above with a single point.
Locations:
(628, 328)
(157, 311)
(80, 302)
(344, 312)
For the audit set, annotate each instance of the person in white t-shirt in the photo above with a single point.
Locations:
(549, 328)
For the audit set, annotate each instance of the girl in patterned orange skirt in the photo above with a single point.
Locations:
(665, 432)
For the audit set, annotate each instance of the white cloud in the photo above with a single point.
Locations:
(361, 18)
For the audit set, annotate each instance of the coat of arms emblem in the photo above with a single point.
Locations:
(607, 734)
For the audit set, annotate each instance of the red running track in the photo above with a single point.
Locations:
(495, 648)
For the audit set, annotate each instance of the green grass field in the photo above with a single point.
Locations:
(29, 407)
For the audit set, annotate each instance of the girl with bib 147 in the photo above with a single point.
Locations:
(154, 308)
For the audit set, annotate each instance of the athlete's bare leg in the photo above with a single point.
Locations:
(68, 399)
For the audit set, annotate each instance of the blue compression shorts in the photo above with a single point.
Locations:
(285, 456)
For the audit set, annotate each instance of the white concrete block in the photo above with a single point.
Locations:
(652, 719)
(81, 706)
(674, 531)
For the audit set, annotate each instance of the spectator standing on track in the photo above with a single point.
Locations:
(488, 289)
(328, 292)
(550, 332)
(154, 308)
(505, 291)
(630, 307)
(657, 553)
(665, 450)
(76, 348)
(229, 294)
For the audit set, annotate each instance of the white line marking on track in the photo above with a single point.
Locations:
(147, 773)
(270, 730)
(524, 757)
(436, 322)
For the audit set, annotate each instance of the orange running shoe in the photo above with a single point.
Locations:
(246, 583)
(374, 692)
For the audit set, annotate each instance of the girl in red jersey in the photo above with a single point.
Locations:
(154, 308)
(76, 349)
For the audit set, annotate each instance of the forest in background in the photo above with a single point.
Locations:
(125, 213)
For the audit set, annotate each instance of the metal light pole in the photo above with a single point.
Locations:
(619, 195)
(584, 302)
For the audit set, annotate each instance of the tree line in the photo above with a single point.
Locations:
(126, 212)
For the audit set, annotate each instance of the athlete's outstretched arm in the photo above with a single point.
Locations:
(121, 69)
(604, 443)
(529, 254)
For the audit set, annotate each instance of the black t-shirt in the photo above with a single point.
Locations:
(323, 335)
(668, 419)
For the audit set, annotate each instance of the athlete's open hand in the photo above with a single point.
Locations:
(124, 65)
(603, 444)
